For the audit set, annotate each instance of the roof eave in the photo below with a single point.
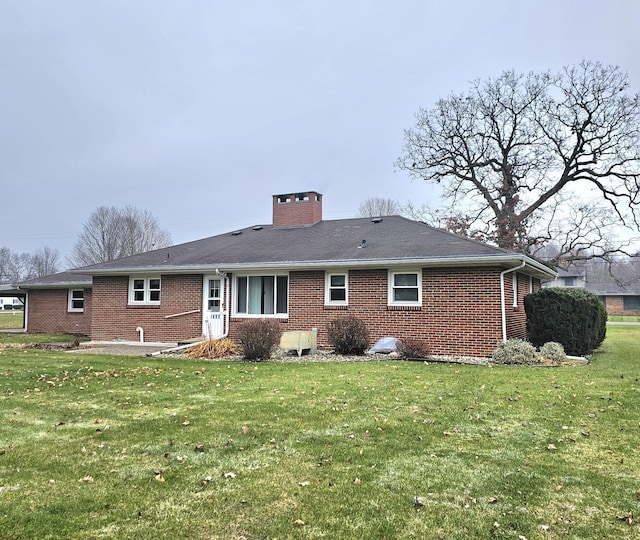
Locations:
(534, 267)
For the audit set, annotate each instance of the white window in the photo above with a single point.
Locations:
(336, 289)
(405, 288)
(262, 295)
(76, 300)
(144, 290)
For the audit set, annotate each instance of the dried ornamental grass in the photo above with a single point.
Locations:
(213, 348)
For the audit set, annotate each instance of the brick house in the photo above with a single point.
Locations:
(402, 277)
(58, 303)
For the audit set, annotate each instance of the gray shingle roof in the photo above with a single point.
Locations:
(390, 239)
(59, 280)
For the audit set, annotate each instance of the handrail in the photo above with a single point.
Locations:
(183, 313)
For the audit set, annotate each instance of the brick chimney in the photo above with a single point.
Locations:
(297, 209)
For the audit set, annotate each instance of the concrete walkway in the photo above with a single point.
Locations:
(129, 348)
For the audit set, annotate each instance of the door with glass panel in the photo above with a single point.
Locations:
(214, 309)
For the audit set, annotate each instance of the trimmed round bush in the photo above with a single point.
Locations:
(575, 318)
(348, 335)
(258, 337)
(515, 351)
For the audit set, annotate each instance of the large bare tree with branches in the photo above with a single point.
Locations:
(523, 160)
(111, 233)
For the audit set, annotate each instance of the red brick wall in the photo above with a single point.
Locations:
(47, 313)
(113, 318)
(460, 314)
(294, 213)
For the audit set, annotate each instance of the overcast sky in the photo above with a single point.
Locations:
(200, 110)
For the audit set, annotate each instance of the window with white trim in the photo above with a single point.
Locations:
(76, 300)
(260, 295)
(336, 289)
(144, 290)
(405, 288)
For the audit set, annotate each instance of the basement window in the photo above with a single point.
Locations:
(405, 288)
(76, 300)
(262, 295)
(144, 291)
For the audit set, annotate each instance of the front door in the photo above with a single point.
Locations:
(214, 309)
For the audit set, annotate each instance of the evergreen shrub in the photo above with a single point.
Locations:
(575, 318)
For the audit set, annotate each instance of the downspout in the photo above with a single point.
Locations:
(502, 298)
(224, 276)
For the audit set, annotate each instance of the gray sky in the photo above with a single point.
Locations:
(200, 110)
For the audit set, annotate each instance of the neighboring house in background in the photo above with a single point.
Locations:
(618, 298)
(58, 303)
(621, 296)
(569, 277)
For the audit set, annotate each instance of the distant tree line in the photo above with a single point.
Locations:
(16, 267)
(109, 233)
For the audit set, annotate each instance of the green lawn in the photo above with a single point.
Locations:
(11, 319)
(135, 447)
(623, 318)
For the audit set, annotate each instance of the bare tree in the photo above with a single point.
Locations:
(45, 261)
(529, 159)
(111, 233)
(378, 206)
(14, 267)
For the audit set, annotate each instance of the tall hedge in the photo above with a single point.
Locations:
(574, 317)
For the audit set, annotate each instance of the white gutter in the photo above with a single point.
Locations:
(502, 298)
(483, 260)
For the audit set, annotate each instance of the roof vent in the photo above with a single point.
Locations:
(363, 244)
(236, 233)
(376, 220)
(257, 228)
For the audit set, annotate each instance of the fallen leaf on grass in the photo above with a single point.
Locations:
(87, 480)
(229, 475)
(158, 476)
(628, 519)
(298, 523)
(303, 484)
(357, 481)
(551, 447)
(418, 502)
